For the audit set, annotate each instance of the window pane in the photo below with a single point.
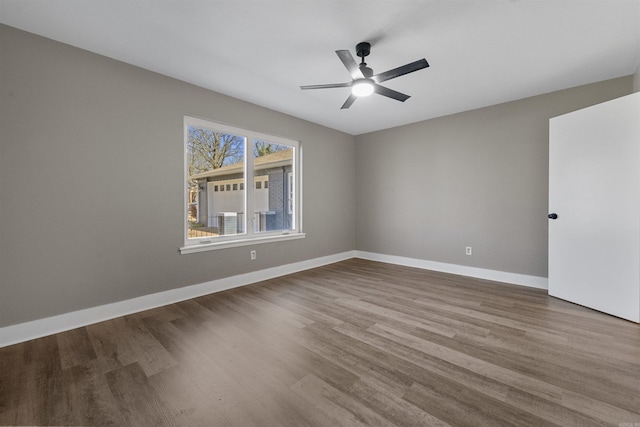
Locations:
(273, 195)
(215, 162)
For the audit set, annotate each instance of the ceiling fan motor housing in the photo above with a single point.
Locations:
(363, 49)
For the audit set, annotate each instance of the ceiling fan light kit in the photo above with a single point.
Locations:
(364, 82)
(362, 87)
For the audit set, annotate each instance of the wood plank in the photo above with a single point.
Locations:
(92, 400)
(136, 398)
(337, 406)
(150, 354)
(111, 344)
(185, 401)
(75, 348)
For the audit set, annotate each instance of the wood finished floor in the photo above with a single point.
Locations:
(354, 343)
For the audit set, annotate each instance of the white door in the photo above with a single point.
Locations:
(594, 189)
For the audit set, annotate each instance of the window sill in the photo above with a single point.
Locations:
(241, 242)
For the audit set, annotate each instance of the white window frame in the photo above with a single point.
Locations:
(291, 188)
(250, 237)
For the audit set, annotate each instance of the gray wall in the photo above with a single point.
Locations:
(91, 191)
(478, 178)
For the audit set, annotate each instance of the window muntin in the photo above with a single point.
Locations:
(219, 212)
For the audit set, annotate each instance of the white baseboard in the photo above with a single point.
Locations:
(51, 325)
(480, 273)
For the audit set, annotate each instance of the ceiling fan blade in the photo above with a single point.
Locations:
(384, 91)
(350, 100)
(327, 86)
(401, 71)
(350, 63)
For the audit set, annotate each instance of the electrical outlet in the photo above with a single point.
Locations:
(253, 255)
(469, 250)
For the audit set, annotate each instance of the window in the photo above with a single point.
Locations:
(269, 210)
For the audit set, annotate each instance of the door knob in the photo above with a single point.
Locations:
(552, 216)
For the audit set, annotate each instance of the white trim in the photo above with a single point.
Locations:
(213, 245)
(51, 325)
(479, 273)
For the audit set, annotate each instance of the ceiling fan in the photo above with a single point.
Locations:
(364, 83)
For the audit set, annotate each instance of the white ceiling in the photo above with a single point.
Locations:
(481, 52)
